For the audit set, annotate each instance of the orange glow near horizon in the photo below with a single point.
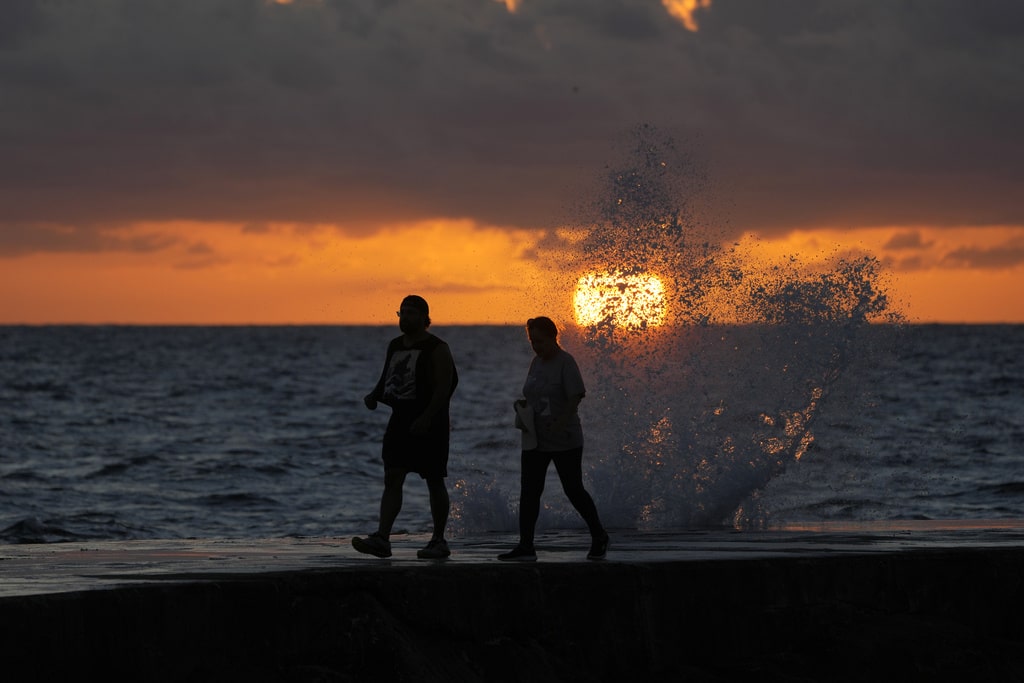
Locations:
(277, 274)
(629, 301)
(229, 273)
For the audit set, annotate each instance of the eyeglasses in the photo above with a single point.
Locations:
(408, 312)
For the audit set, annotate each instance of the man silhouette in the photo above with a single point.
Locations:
(417, 382)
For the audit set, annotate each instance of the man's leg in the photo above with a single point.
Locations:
(440, 505)
(391, 499)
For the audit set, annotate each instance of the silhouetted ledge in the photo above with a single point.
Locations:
(931, 614)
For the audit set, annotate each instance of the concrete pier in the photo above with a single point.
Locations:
(934, 602)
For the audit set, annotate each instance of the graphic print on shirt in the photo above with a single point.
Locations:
(401, 379)
(541, 404)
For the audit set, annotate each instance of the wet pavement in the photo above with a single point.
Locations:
(43, 569)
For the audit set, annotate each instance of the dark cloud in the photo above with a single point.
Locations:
(811, 113)
(994, 258)
(909, 264)
(200, 255)
(29, 238)
(18, 20)
(199, 249)
(255, 229)
(907, 240)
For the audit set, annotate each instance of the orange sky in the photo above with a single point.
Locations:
(282, 274)
(303, 161)
(929, 277)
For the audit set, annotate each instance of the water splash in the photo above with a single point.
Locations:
(694, 408)
(692, 419)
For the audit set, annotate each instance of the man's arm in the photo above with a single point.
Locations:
(571, 406)
(572, 384)
(371, 399)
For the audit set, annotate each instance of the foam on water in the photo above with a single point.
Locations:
(691, 412)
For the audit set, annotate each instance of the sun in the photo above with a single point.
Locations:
(623, 300)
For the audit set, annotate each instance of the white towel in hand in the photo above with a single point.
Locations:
(524, 421)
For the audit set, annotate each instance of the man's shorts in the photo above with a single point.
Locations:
(426, 455)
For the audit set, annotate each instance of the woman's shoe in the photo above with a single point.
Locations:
(598, 547)
(521, 553)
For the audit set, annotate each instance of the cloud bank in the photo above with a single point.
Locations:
(809, 113)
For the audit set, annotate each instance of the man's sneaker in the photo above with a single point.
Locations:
(521, 553)
(374, 544)
(437, 549)
(598, 547)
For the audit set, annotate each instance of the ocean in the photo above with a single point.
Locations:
(135, 432)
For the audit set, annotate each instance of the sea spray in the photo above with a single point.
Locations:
(707, 364)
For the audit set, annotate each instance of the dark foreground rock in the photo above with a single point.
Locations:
(917, 615)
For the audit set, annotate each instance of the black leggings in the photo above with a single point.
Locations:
(569, 465)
